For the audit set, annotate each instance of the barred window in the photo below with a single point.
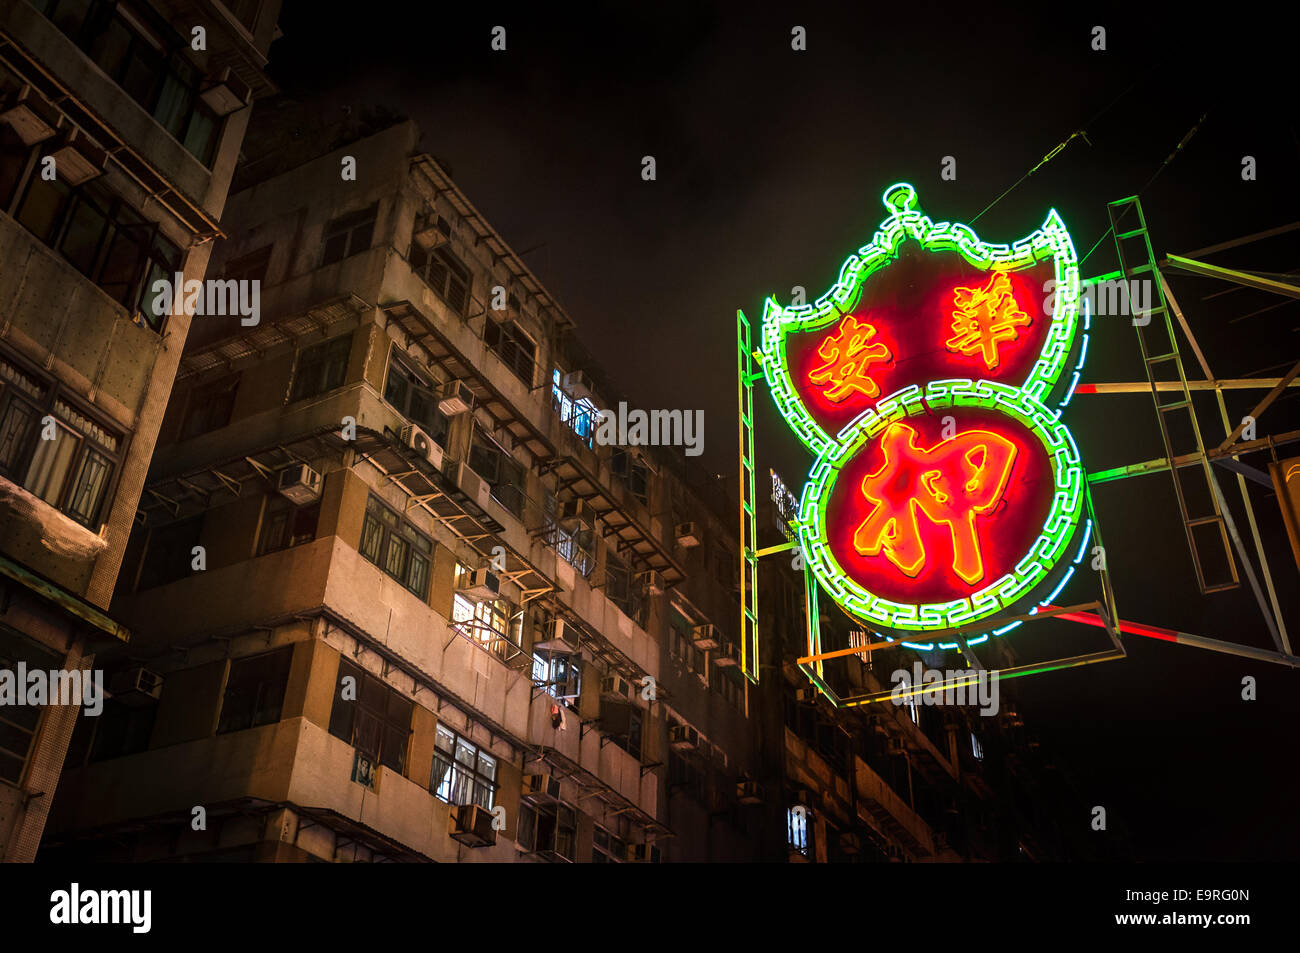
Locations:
(462, 771)
(396, 547)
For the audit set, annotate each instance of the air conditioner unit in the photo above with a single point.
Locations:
(136, 686)
(726, 655)
(31, 117)
(473, 485)
(579, 385)
(540, 788)
(688, 534)
(615, 688)
(481, 584)
(683, 738)
(575, 515)
(651, 581)
(850, 843)
(471, 824)
(225, 93)
(78, 160)
(423, 444)
(432, 232)
(749, 792)
(455, 397)
(557, 639)
(706, 637)
(299, 484)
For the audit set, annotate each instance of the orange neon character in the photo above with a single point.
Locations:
(848, 355)
(951, 483)
(985, 317)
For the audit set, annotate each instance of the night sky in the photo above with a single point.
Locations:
(770, 168)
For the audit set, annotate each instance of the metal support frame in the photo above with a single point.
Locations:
(745, 378)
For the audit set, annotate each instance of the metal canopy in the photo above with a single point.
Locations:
(564, 766)
(256, 341)
(424, 331)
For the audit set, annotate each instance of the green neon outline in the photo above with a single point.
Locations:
(906, 221)
(1058, 528)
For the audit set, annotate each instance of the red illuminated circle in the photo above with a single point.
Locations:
(951, 484)
(919, 518)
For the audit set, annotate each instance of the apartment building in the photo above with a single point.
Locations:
(120, 126)
(389, 597)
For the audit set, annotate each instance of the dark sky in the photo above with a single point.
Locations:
(770, 168)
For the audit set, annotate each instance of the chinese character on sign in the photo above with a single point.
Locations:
(985, 317)
(951, 483)
(848, 354)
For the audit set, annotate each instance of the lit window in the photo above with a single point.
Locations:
(462, 772)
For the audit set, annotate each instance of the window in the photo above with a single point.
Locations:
(72, 469)
(606, 848)
(559, 676)
(250, 267)
(122, 730)
(412, 396)
(396, 547)
(140, 51)
(255, 690)
(462, 772)
(577, 546)
(797, 827)
(579, 415)
(632, 472)
(977, 747)
(443, 272)
(210, 407)
(285, 525)
(620, 589)
(502, 472)
(550, 829)
(18, 723)
(96, 231)
(372, 717)
(628, 737)
(321, 368)
(493, 623)
(513, 345)
(349, 234)
(169, 554)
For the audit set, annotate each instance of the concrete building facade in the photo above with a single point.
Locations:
(120, 126)
(391, 598)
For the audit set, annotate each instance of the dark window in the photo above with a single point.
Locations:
(210, 407)
(141, 52)
(285, 525)
(620, 589)
(606, 848)
(396, 547)
(250, 267)
(630, 739)
(416, 400)
(550, 829)
(321, 368)
(18, 723)
(462, 772)
(509, 342)
(122, 730)
(632, 472)
(170, 553)
(255, 690)
(102, 236)
(503, 472)
(373, 718)
(349, 234)
(72, 469)
(443, 272)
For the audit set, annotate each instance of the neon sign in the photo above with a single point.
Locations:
(927, 383)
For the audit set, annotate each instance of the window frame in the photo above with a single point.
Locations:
(457, 777)
(387, 726)
(382, 519)
(325, 356)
